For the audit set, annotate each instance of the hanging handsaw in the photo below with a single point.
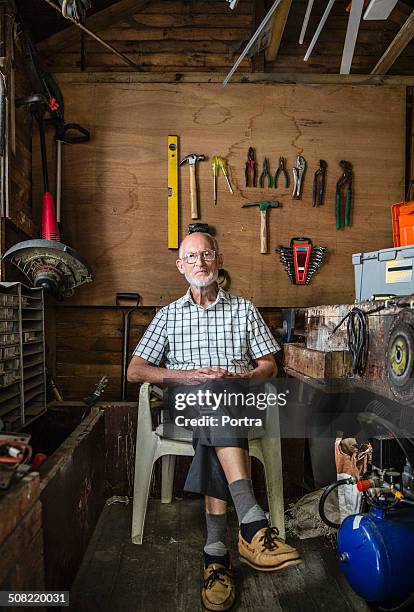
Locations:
(319, 29)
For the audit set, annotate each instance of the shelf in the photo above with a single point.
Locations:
(29, 342)
(31, 375)
(32, 394)
(4, 397)
(9, 408)
(13, 382)
(31, 386)
(36, 361)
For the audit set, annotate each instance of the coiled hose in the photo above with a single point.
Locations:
(324, 496)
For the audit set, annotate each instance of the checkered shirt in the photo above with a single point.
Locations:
(229, 334)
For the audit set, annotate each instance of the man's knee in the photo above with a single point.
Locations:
(215, 505)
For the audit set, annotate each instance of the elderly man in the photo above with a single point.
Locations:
(207, 335)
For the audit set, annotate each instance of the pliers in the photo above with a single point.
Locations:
(265, 174)
(250, 171)
(318, 191)
(298, 171)
(344, 181)
(281, 168)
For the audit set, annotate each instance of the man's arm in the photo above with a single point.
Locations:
(265, 368)
(140, 370)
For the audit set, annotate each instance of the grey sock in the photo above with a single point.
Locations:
(245, 502)
(216, 534)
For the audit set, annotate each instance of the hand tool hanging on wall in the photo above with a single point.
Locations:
(344, 183)
(250, 170)
(223, 166)
(192, 160)
(173, 226)
(298, 172)
(301, 259)
(264, 207)
(47, 262)
(319, 181)
(99, 390)
(215, 169)
(219, 163)
(281, 169)
(122, 300)
(265, 175)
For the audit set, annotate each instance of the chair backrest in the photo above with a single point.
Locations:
(144, 409)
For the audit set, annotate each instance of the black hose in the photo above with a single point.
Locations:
(325, 494)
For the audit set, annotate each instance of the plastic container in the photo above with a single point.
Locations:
(385, 272)
(403, 223)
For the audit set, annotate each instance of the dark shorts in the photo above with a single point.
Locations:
(206, 476)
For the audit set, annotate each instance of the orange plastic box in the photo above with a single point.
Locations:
(403, 223)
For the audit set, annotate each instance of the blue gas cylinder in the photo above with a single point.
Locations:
(376, 552)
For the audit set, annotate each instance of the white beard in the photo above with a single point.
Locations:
(205, 282)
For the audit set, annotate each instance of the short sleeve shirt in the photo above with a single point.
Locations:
(229, 334)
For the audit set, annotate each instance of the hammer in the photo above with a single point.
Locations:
(264, 207)
(192, 159)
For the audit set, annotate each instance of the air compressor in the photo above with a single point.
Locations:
(376, 547)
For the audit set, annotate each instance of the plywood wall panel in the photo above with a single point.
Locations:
(115, 190)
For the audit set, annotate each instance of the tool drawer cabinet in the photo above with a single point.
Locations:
(22, 355)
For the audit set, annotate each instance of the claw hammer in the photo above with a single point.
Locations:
(191, 160)
(264, 207)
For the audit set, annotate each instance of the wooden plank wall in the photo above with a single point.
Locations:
(89, 345)
(115, 189)
(205, 35)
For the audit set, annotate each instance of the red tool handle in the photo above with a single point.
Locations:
(50, 229)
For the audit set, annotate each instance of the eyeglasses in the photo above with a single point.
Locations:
(207, 255)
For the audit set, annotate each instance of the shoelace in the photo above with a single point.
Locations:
(217, 575)
(270, 538)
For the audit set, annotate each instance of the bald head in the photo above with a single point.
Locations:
(197, 240)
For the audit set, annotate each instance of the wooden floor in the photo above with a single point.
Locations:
(165, 572)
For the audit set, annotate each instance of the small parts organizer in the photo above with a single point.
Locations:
(22, 355)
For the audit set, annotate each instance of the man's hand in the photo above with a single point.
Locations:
(209, 373)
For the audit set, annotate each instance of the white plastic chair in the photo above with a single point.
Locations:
(152, 445)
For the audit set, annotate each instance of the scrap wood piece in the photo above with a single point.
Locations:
(351, 35)
(397, 46)
(379, 9)
(278, 27)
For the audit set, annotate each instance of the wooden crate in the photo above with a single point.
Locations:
(21, 537)
(321, 365)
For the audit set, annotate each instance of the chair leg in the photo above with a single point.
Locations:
(167, 478)
(272, 460)
(144, 462)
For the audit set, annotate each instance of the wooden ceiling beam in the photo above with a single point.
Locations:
(397, 46)
(97, 22)
(278, 27)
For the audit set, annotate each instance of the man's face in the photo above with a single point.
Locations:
(202, 273)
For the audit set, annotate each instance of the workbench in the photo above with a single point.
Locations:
(324, 360)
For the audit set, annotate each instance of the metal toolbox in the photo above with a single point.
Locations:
(385, 272)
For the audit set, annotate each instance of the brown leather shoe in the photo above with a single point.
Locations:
(218, 592)
(267, 552)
